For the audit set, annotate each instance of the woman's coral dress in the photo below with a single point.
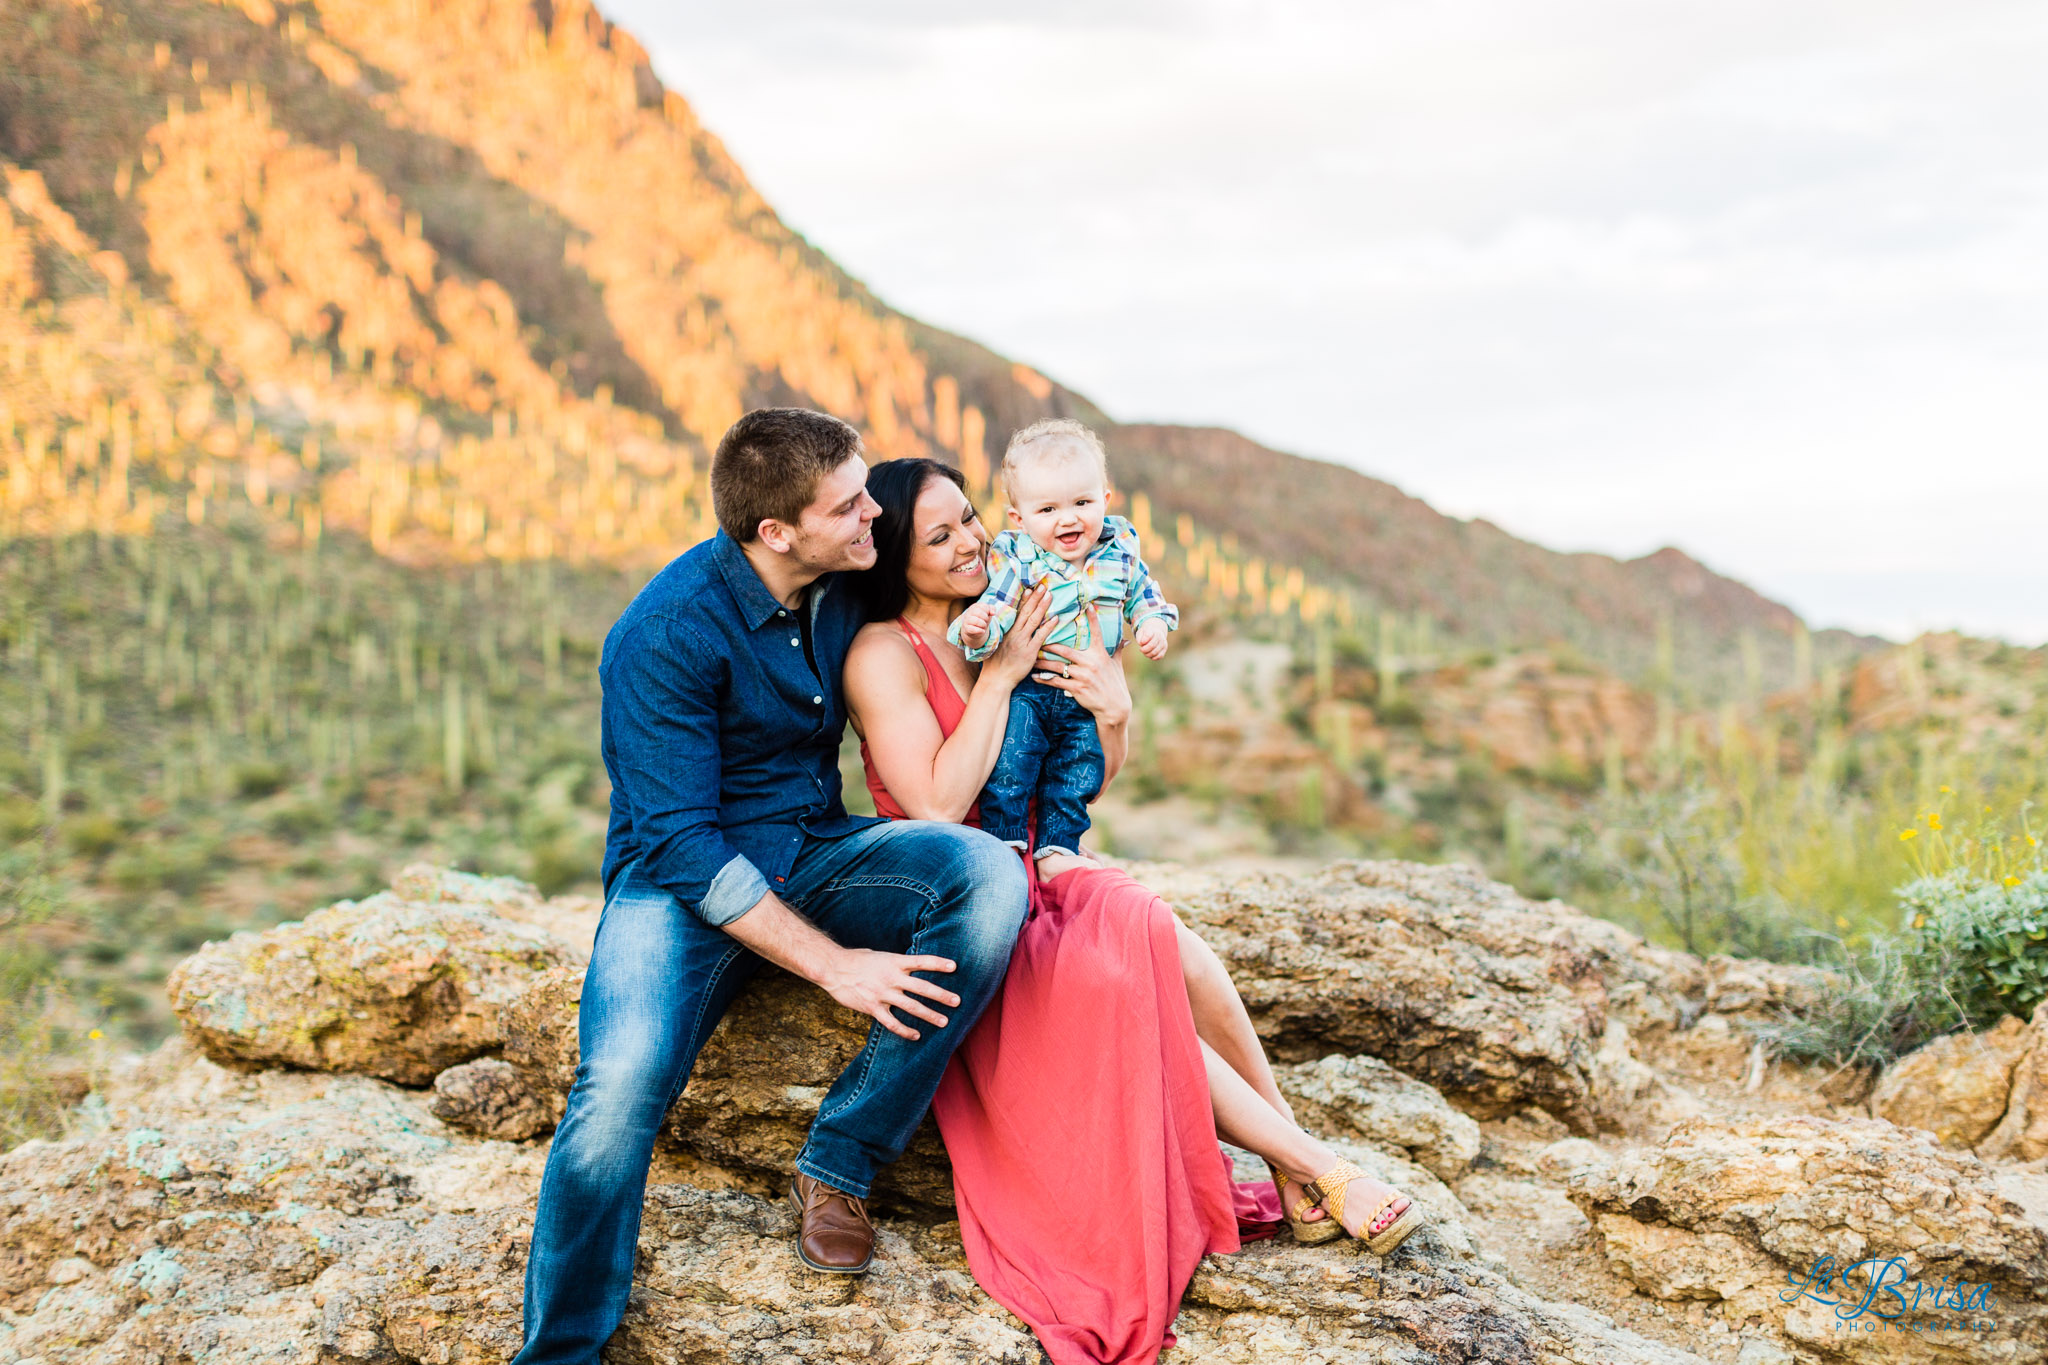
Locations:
(1085, 1162)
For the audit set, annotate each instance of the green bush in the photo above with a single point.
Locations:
(301, 820)
(1969, 951)
(1994, 933)
(92, 836)
(254, 781)
(561, 864)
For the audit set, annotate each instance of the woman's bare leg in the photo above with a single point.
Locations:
(1250, 1110)
(1222, 1022)
(1245, 1119)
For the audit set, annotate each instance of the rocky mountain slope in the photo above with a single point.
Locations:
(462, 277)
(1615, 1176)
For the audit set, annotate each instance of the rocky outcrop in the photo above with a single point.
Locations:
(492, 1098)
(1499, 1002)
(291, 1217)
(2022, 1134)
(401, 985)
(1365, 1098)
(1773, 1213)
(266, 1212)
(1955, 1087)
(1986, 1092)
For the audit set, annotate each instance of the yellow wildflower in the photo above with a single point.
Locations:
(2032, 842)
(1919, 921)
(1841, 922)
(95, 1034)
(2011, 880)
(1934, 820)
(1906, 834)
(1947, 791)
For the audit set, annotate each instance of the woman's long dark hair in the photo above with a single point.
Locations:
(884, 591)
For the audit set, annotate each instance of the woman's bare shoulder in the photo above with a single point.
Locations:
(880, 652)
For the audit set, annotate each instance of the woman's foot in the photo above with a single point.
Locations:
(1371, 1210)
(1307, 1219)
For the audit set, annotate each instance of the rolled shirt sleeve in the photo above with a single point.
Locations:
(1145, 602)
(1005, 589)
(661, 717)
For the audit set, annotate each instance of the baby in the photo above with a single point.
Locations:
(1057, 478)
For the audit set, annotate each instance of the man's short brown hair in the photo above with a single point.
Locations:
(768, 465)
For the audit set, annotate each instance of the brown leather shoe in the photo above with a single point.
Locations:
(833, 1232)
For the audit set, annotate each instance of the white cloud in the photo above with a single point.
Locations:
(1763, 280)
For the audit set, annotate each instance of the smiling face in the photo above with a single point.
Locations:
(948, 547)
(833, 532)
(1059, 497)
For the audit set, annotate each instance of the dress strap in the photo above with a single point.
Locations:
(947, 703)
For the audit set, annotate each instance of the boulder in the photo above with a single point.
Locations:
(223, 1215)
(1955, 1087)
(1452, 978)
(1363, 1097)
(2022, 1134)
(570, 920)
(492, 1098)
(1768, 1215)
(752, 1094)
(401, 985)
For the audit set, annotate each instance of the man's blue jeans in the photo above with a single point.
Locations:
(1051, 751)
(660, 979)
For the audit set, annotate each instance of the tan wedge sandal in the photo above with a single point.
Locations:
(1305, 1232)
(1329, 1189)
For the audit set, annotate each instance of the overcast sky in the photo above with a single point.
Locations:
(1764, 280)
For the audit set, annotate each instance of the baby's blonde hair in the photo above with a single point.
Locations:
(1055, 435)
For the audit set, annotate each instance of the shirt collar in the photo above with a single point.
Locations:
(1029, 549)
(757, 605)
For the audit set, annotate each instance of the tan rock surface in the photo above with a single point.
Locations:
(491, 1098)
(2022, 1134)
(288, 1217)
(1727, 1212)
(1955, 1087)
(1445, 975)
(291, 1216)
(1364, 1097)
(398, 985)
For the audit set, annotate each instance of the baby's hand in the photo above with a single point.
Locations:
(1151, 639)
(974, 624)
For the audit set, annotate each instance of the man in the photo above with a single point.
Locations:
(729, 844)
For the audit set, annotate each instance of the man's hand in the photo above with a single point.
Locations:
(874, 983)
(1151, 638)
(975, 622)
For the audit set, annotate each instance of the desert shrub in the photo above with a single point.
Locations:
(1971, 947)
(560, 864)
(32, 1103)
(183, 865)
(301, 820)
(1993, 935)
(254, 781)
(93, 835)
(1399, 712)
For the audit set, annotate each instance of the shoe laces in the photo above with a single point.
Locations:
(820, 1193)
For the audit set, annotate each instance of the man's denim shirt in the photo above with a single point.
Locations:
(722, 745)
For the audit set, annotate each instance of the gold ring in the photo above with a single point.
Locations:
(1066, 672)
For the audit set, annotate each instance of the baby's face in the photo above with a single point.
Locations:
(1059, 500)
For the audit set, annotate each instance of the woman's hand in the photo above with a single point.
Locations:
(1090, 675)
(1013, 658)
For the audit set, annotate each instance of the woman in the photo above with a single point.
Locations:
(1082, 1113)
